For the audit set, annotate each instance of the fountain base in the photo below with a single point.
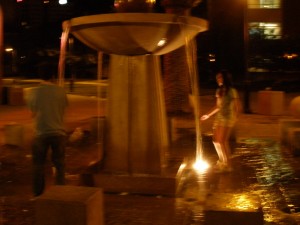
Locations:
(135, 184)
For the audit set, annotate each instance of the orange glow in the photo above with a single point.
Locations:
(290, 56)
(9, 49)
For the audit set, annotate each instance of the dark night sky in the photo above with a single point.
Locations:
(44, 20)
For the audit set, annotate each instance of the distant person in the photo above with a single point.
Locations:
(226, 113)
(47, 103)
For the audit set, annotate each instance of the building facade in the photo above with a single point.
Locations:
(274, 33)
(254, 36)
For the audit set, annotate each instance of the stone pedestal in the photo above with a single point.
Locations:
(62, 205)
(136, 137)
(270, 102)
(229, 209)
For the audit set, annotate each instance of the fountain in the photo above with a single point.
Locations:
(136, 141)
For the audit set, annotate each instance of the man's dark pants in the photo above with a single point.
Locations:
(39, 155)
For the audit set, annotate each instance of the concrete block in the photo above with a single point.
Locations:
(294, 140)
(284, 126)
(70, 205)
(16, 96)
(14, 134)
(295, 107)
(233, 209)
(270, 102)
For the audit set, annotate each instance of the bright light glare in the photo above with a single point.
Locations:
(270, 25)
(63, 2)
(162, 42)
(201, 165)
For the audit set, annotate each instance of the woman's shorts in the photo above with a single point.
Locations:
(224, 122)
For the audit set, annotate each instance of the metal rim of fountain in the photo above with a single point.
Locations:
(142, 31)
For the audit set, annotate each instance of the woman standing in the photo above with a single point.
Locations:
(226, 113)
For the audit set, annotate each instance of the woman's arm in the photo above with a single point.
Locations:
(211, 113)
(215, 109)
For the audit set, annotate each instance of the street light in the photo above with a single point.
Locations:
(9, 49)
(63, 2)
(12, 53)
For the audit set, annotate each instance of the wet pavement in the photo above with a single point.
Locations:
(261, 167)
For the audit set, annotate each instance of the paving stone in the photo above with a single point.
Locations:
(233, 209)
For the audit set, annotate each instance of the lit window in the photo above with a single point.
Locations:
(265, 31)
(270, 3)
(267, 4)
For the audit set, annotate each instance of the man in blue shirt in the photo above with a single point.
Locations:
(47, 103)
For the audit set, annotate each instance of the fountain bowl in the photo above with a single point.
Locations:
(135, 34)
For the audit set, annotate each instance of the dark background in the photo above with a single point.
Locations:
(33, 30)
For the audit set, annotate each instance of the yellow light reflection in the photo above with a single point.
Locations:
(201, 166)
(242, 202)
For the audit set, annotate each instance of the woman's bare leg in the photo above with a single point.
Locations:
(224, 145)
(220, 140)
(217, 136)
(227, 146)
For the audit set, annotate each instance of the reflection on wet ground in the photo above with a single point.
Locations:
(277, 177)
(261, 167)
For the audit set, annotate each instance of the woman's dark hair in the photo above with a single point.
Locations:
(227, 78)
(227, 81)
